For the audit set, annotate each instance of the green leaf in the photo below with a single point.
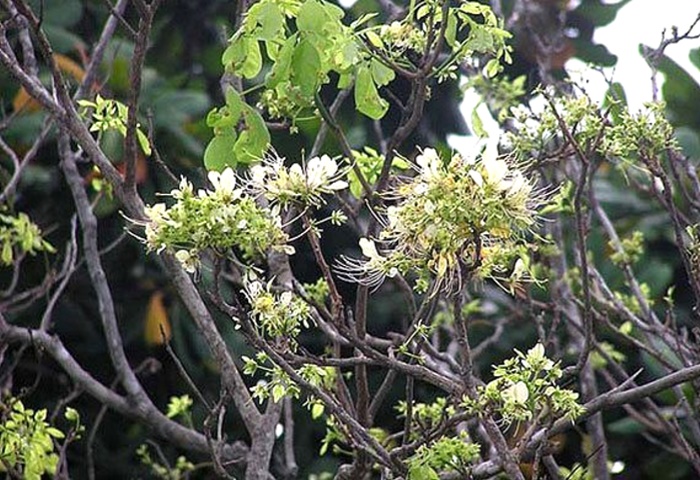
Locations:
(65, 13)
(235, 52)
(478, 125)
(6, 256)
(367, 97)
(593, 53)
(269, 18)
(306, 64)
(694, 57)
(381, 74)
(253, 60)
(143, 142)
(374, 39)
(616, 101)
(599, 13)
(344, 81)
(312, 17)
(689, 141)
(219, 153)
(317, 410)
(422, 472)
(492, 68)
(451, 29)
(277, 393)
(680, 91)
(243, 57)
(54, 432)
(234, 103)
(254, 140)
(281, 68)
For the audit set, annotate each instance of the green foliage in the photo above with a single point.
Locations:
(525, 388)
(448, 454)
(19, 233)
(110, 115)
(179, 471)
(370, 162)
(646, 135)
(27, 441)
(179, 407)
(318, 291)
(599, 361)
(501, 94)
(319, 44)
(428, 415)
(631, 251)
(240, 134)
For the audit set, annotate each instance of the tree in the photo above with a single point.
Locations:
(437, 314)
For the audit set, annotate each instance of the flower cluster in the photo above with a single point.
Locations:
(526, 387)
(466, 217)
(398, 37)
(221, 219)
(297, 184)
(277, 316)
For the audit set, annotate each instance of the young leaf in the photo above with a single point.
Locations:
(381, 74)
(312, 17)
(280, 69)
(253, 141)
(478, 125)
(219, 153)
(268, 16)
(451, 29)
(243, 57)
(367, 97)
(306, 64)
(234, 103)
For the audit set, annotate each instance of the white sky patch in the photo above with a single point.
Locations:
(638, 22)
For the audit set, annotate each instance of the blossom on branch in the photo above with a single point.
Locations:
(453, 221)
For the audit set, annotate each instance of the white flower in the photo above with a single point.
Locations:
(224, 182)
(369, 249)
(306, 182)
(156, 213)
(517, 183)
(321, 173)
(536, 352)
(429, 163)
(258, 174)
(392, 215)
(476, 176)
(517, 392)
(286, 299)
(536, 358)
(183, 189)
(519, 269)
(495, 171)
(659, 185)
(188, 261)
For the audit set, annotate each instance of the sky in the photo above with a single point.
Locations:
(640, 21)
